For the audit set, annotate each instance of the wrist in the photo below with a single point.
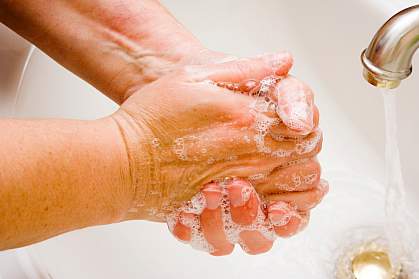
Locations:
(112, 172)
(60, 175)
(112, 46)
(141, 42)
(137, 139)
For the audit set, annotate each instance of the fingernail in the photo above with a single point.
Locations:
(280, 62)
(213, 195)
(187, 219)
(303, 224)
(294, 226)
(323, 186)
(295, 106)
(297, 116)
(196, 205)
(280, 214)
(171, 220)
(239, 192)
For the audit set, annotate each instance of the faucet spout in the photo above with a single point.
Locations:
(388, 58)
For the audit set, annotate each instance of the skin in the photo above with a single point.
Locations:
(118, 46)
(75, 177)
(214, 120)
(284, 219)
(110, 171)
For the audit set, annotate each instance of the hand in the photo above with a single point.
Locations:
(184, 131)
(230, 212)
(213, 223)
(130, 58)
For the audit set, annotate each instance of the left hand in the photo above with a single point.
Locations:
(230, 212)
(221, 215)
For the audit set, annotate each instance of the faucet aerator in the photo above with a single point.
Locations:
(388, 58)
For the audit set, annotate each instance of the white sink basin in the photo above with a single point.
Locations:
(14, 57)
(326, 38)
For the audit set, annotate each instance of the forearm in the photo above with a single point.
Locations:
(60, 175)
(115, 45)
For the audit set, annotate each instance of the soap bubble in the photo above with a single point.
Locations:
(155, 143)
(179, 149)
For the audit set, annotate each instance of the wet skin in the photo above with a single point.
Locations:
(121, 48)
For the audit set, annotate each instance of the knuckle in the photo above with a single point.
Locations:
(183, 71)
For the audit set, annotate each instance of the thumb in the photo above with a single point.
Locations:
(295, 105)
(246, 68)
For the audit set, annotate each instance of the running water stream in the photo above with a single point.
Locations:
(402, 230)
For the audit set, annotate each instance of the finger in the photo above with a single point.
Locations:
(303, 201)
(207, 57)
(301, 177)
(295, 105)
(277, 128)
(297, 223)
(244, 209)
(242, 69)
(252, 166)
(245, 141)
(240, 139)
(281, 131)
(286, 220)
(254, 242)
(316, 117)
(259, 164)
(213, 195)
(252, 158)
(212, 223)
(182, 228)
(286, 150)
(244, 202)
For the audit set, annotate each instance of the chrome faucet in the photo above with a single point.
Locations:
(388, 58)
